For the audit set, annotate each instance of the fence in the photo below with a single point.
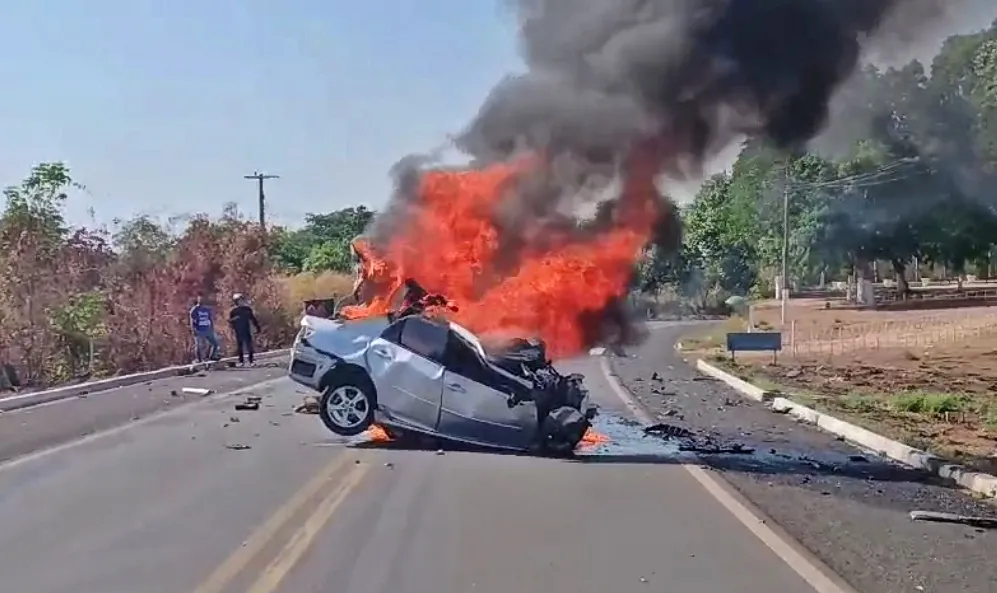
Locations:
(982, 294)
(920, 332)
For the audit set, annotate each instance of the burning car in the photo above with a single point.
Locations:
(410, 371)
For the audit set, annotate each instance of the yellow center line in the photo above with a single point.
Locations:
(257, 541)
(299, 544)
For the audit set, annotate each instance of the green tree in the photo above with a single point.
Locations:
(141, 242)
(719, 234)
(329, 256)
(35, 206)
(322, 243)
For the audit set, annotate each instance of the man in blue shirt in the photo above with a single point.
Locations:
(203, 326)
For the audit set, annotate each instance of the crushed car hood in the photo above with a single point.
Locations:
(344, 339)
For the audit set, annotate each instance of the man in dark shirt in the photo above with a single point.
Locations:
(242, 320)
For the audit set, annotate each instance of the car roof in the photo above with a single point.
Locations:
(464, 333)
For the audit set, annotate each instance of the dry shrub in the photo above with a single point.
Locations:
(308, 286)
(72, 307)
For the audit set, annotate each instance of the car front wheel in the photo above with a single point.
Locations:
(347, 407)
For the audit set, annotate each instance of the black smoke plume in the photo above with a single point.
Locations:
(697, 74)
(702, 72)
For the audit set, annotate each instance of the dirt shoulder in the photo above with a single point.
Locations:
(936, 393)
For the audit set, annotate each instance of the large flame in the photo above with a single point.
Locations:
(449, 245)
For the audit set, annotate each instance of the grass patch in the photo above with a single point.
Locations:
(959, 426)
(860, 403)
(930, 404)
(715, 337)
(989, 414)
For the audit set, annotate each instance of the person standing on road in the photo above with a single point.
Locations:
(203, 327)
(242, 320)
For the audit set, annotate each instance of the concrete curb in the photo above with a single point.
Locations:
(756, 393)
(27, 400)
(977, 482)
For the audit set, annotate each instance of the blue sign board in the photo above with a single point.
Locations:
(754, 342)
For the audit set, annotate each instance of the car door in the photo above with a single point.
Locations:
(404, 365)
(473, 410)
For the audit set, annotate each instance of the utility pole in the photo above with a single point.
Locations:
(260, 178)
(785, 249)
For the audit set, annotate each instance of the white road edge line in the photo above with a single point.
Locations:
(103, 434)
(810, 569)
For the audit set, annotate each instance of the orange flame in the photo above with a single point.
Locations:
(449, 245)
(376, 434)
(593, 438)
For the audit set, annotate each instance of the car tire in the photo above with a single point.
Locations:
(562, 430)
(347, 404)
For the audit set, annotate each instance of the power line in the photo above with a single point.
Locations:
(260, 178)
(885, 174)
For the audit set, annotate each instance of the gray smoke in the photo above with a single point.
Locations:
(700, 72)
(693, 74)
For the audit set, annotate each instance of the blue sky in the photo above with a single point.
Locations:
(161, 107)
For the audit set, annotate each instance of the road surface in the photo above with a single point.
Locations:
(59, 422)
(204, 499)
(852, 513)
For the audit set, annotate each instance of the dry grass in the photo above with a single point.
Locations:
(926, 378)
(714, 338)
(942, 398)
(824, 318)
(303, 287)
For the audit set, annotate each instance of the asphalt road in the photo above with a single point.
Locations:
(207, 500)
(849, 511)
(59, 422)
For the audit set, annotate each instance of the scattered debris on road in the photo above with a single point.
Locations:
(309, 405)
(251, 403)
(197, 391)
(693, 443)
(238, 447)
(936, 517)
(710, 448)
(668, 431)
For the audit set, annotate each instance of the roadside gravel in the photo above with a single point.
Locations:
(848, 507)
